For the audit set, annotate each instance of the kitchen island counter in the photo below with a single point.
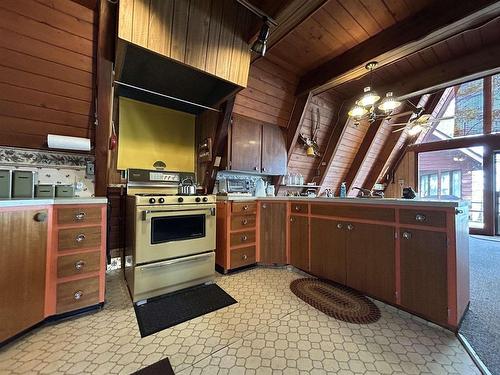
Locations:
(18, 202)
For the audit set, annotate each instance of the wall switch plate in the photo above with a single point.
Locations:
(90, 169)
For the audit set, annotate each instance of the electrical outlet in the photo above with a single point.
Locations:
(90, 169)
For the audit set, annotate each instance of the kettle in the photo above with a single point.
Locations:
(260, 188)
(409, 193)
(187, 188)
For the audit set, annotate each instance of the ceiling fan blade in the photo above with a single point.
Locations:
(399, 124)
(399, 130)
(396, 115)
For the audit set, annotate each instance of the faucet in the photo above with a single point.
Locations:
(367, 193)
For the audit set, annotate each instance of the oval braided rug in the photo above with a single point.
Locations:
(335, 300)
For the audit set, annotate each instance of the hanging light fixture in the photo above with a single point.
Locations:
(366, 103)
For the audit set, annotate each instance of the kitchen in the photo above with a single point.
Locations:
(234, 186)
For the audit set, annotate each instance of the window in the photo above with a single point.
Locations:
(469, 109)
(454, 174)
(495, 88)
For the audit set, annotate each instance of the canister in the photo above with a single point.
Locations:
(64, 191)
(45, 191)
(23, 184)
(5, 183)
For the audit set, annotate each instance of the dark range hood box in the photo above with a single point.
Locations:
(148, 70)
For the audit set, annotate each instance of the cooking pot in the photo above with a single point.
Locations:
(187, 187)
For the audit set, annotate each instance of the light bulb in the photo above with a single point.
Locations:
(389, 103)
(357, 111)
(414, 130)
(369, 98)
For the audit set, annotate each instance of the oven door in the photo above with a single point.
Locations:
(173, 231)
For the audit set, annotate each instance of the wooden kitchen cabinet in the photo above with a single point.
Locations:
(370, 260)
(274, 156)
(299, 242)
(424, 273)
(23, 251)
(328, 249)
(246, 137)
(272, 235)
(257, 147)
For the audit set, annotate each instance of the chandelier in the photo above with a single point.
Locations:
(365, 107)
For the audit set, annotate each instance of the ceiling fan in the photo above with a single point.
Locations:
(418, 122)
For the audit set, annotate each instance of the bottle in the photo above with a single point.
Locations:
(343, 190)
(301, 179)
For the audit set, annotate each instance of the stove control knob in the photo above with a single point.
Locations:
(161, 200)
(205, 199)
(180, 200)
(198, 199)
(152, 200)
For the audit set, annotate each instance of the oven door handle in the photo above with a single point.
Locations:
(145, 213)
(188, 259)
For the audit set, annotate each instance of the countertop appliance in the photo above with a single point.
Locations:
(171, 238)
(235, 185)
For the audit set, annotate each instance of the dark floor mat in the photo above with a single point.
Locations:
(161, 367)
(171, 309)
(481, 324)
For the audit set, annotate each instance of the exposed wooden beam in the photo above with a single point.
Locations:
(104, 67)
(219, 143)
(91, 4)
(291, 16)
(465, 68)
(337, 129)
(439, 21)
(361, 153)
(295, 122)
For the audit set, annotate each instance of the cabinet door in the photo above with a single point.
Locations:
(246, 144)
(299, 242)
(272, 232)
(328, 244)
(22, 277)
(274, 156)
(370, 259)
(424, 273)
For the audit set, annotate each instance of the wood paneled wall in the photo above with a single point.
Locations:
(47, 50)
(328, 108)
(270, 93)
(404, 176)
(208, 35)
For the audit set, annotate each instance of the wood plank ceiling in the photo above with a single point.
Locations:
(334, 28)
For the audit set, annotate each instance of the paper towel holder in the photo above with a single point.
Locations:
(63, 142)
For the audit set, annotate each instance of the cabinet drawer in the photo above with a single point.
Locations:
(79, 238)
(77, 264)
(244, 207)
(299, 208)
(423, 217)
(74, 295)
(242, 222)
(354, 212)
(75, 215)
(242, 238)
(242, 257)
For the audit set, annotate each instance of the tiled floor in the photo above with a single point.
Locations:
(270, 331)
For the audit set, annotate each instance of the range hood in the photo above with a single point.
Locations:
(146, 76)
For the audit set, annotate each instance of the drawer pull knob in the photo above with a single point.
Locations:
(80, 216)
(40, 217)
(264, 205)
(244, 237)
(244, 221)
(244, 257)
(297, 208)
(79, 265)
(339, 226)
(420, 218)
(406, 235)
(80, 237)
(350, 227)
(255, 168)
(245, 207)
(78, 295)
(292, 220)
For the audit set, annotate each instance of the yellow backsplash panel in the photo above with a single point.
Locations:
(149, 133)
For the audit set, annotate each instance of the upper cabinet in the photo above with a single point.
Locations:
(256, 147)
(209, 35)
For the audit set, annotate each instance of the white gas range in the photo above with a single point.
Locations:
(171, 238)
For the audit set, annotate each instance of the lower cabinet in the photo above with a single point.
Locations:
(299, 242)
(22, 276)
(424, 273)
(361, 256)
(328, 249)
(272, 233)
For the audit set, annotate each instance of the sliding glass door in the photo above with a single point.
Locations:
(497, 193)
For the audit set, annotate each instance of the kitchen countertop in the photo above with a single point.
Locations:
(360, 201)
(16, 202)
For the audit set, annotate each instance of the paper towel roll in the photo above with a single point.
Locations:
(68, 143)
